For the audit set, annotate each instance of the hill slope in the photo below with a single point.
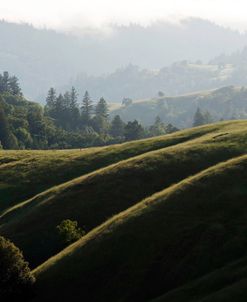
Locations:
(168, 239)
(93, 198)
(224, 103)
(24, 174)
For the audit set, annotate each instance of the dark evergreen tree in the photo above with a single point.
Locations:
(86, 109)
(74, 110)
(50, 101)
(60, 112)
(100, 121)
(133, 130)
(117, 127)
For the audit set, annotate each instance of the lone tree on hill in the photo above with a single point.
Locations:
(69, 231)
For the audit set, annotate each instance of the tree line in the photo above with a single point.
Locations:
(64, 121)
(93, 120)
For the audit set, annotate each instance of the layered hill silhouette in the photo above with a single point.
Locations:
(92, 60)
(165, 217)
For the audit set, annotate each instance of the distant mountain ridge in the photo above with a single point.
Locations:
(42, 58)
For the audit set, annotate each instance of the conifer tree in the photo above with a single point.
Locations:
(86, 109)
(73, 108)
(117, 127)
(101, 109)
(50, 100)
(198, 118)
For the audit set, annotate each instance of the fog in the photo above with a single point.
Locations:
(98, 14)
(120, 48)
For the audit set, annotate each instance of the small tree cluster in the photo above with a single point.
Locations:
(9, 84)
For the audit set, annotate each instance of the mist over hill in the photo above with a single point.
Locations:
(225, 103)
(43, 58)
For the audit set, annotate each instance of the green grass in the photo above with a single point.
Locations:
(95, 197)
(160, 244)
(24, 174)
(166, 217)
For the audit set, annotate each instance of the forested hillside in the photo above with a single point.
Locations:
(42, 58)
(64, 122)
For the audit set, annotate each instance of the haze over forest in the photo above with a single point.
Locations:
(118, 64)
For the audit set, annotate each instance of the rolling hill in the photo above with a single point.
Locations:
(175, 236)
(24, 174)
(165, 217)
(223, 104)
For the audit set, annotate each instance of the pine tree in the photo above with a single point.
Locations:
(101, 109)
(74, 110)
(60, 111)
(198, 118)
(73, 98)
(50, 101)
(117, 127)
(86, 109)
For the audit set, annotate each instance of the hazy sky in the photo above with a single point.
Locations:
(96, 13)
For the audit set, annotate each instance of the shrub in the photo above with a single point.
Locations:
(69, 231)
(16, 278)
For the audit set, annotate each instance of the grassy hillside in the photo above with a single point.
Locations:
(180, 234)
(24, 174)
(224, 284)
(224, 103)
(165, 217)
(95, 197)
